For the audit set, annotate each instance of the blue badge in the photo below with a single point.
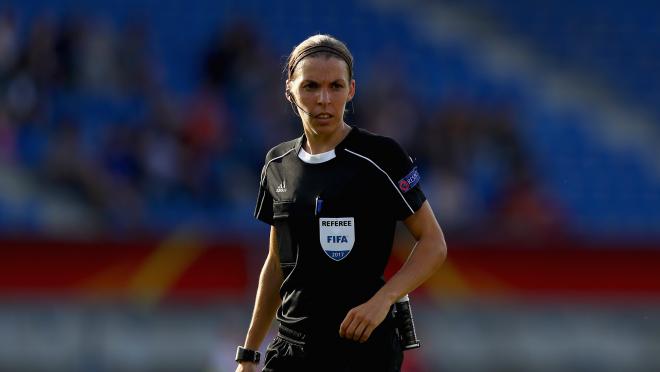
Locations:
(410, 180)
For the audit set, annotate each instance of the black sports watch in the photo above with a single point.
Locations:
(247, 355)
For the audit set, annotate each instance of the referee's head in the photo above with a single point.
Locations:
(320, 83)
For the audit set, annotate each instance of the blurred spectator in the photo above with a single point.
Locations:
(8, 44)
(99, 68)
(159, 150)
(231, 56)
(39, 59)
(67, 170)
(386, 105)
(7, 137)
(67, 48)
(206, 128)
(136, 67)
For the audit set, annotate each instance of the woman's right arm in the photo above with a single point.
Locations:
(267, 301)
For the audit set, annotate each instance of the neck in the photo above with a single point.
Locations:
(319, 143)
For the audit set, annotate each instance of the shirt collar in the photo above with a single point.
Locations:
(338, 149)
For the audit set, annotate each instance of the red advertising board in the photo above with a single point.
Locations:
(183, 267)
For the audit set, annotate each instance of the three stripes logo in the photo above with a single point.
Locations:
(281, 187)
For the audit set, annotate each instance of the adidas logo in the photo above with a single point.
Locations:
(281, 187)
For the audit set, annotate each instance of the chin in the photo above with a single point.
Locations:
(327, 124)
(323, 127)
(327, 128)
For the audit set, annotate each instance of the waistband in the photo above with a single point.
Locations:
(292, 335)
(327, 335)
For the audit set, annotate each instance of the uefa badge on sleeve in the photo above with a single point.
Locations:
(409, 181)
(337, 236)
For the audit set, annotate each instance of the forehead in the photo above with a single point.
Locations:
(321, 67)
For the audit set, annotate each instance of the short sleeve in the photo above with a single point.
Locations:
(263, 211)
(407, 195)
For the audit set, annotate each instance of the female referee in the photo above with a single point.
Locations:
(332, 198)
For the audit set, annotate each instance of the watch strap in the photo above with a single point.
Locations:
(247, 355)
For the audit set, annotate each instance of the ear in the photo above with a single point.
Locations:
(351, 90)
(287, 91)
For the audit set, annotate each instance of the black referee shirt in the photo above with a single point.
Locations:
(335, 224)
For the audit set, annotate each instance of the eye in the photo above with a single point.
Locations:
(337, 85)
(310, 85)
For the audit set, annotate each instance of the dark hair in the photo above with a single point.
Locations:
(320, 44)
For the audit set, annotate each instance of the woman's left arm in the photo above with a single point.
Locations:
(426, 258)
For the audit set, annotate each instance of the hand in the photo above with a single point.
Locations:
(362, 320)
(246, 367)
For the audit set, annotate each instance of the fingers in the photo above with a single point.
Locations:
(345, 324)
(356, 327)
(362, 332)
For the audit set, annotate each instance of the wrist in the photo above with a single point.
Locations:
(386, 296)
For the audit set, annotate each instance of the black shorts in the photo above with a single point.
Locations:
(293, 351)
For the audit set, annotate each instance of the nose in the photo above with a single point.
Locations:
(324, 97)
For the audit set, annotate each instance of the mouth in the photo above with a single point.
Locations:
(323, 115)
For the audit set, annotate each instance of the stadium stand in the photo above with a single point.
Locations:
(144, 108)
